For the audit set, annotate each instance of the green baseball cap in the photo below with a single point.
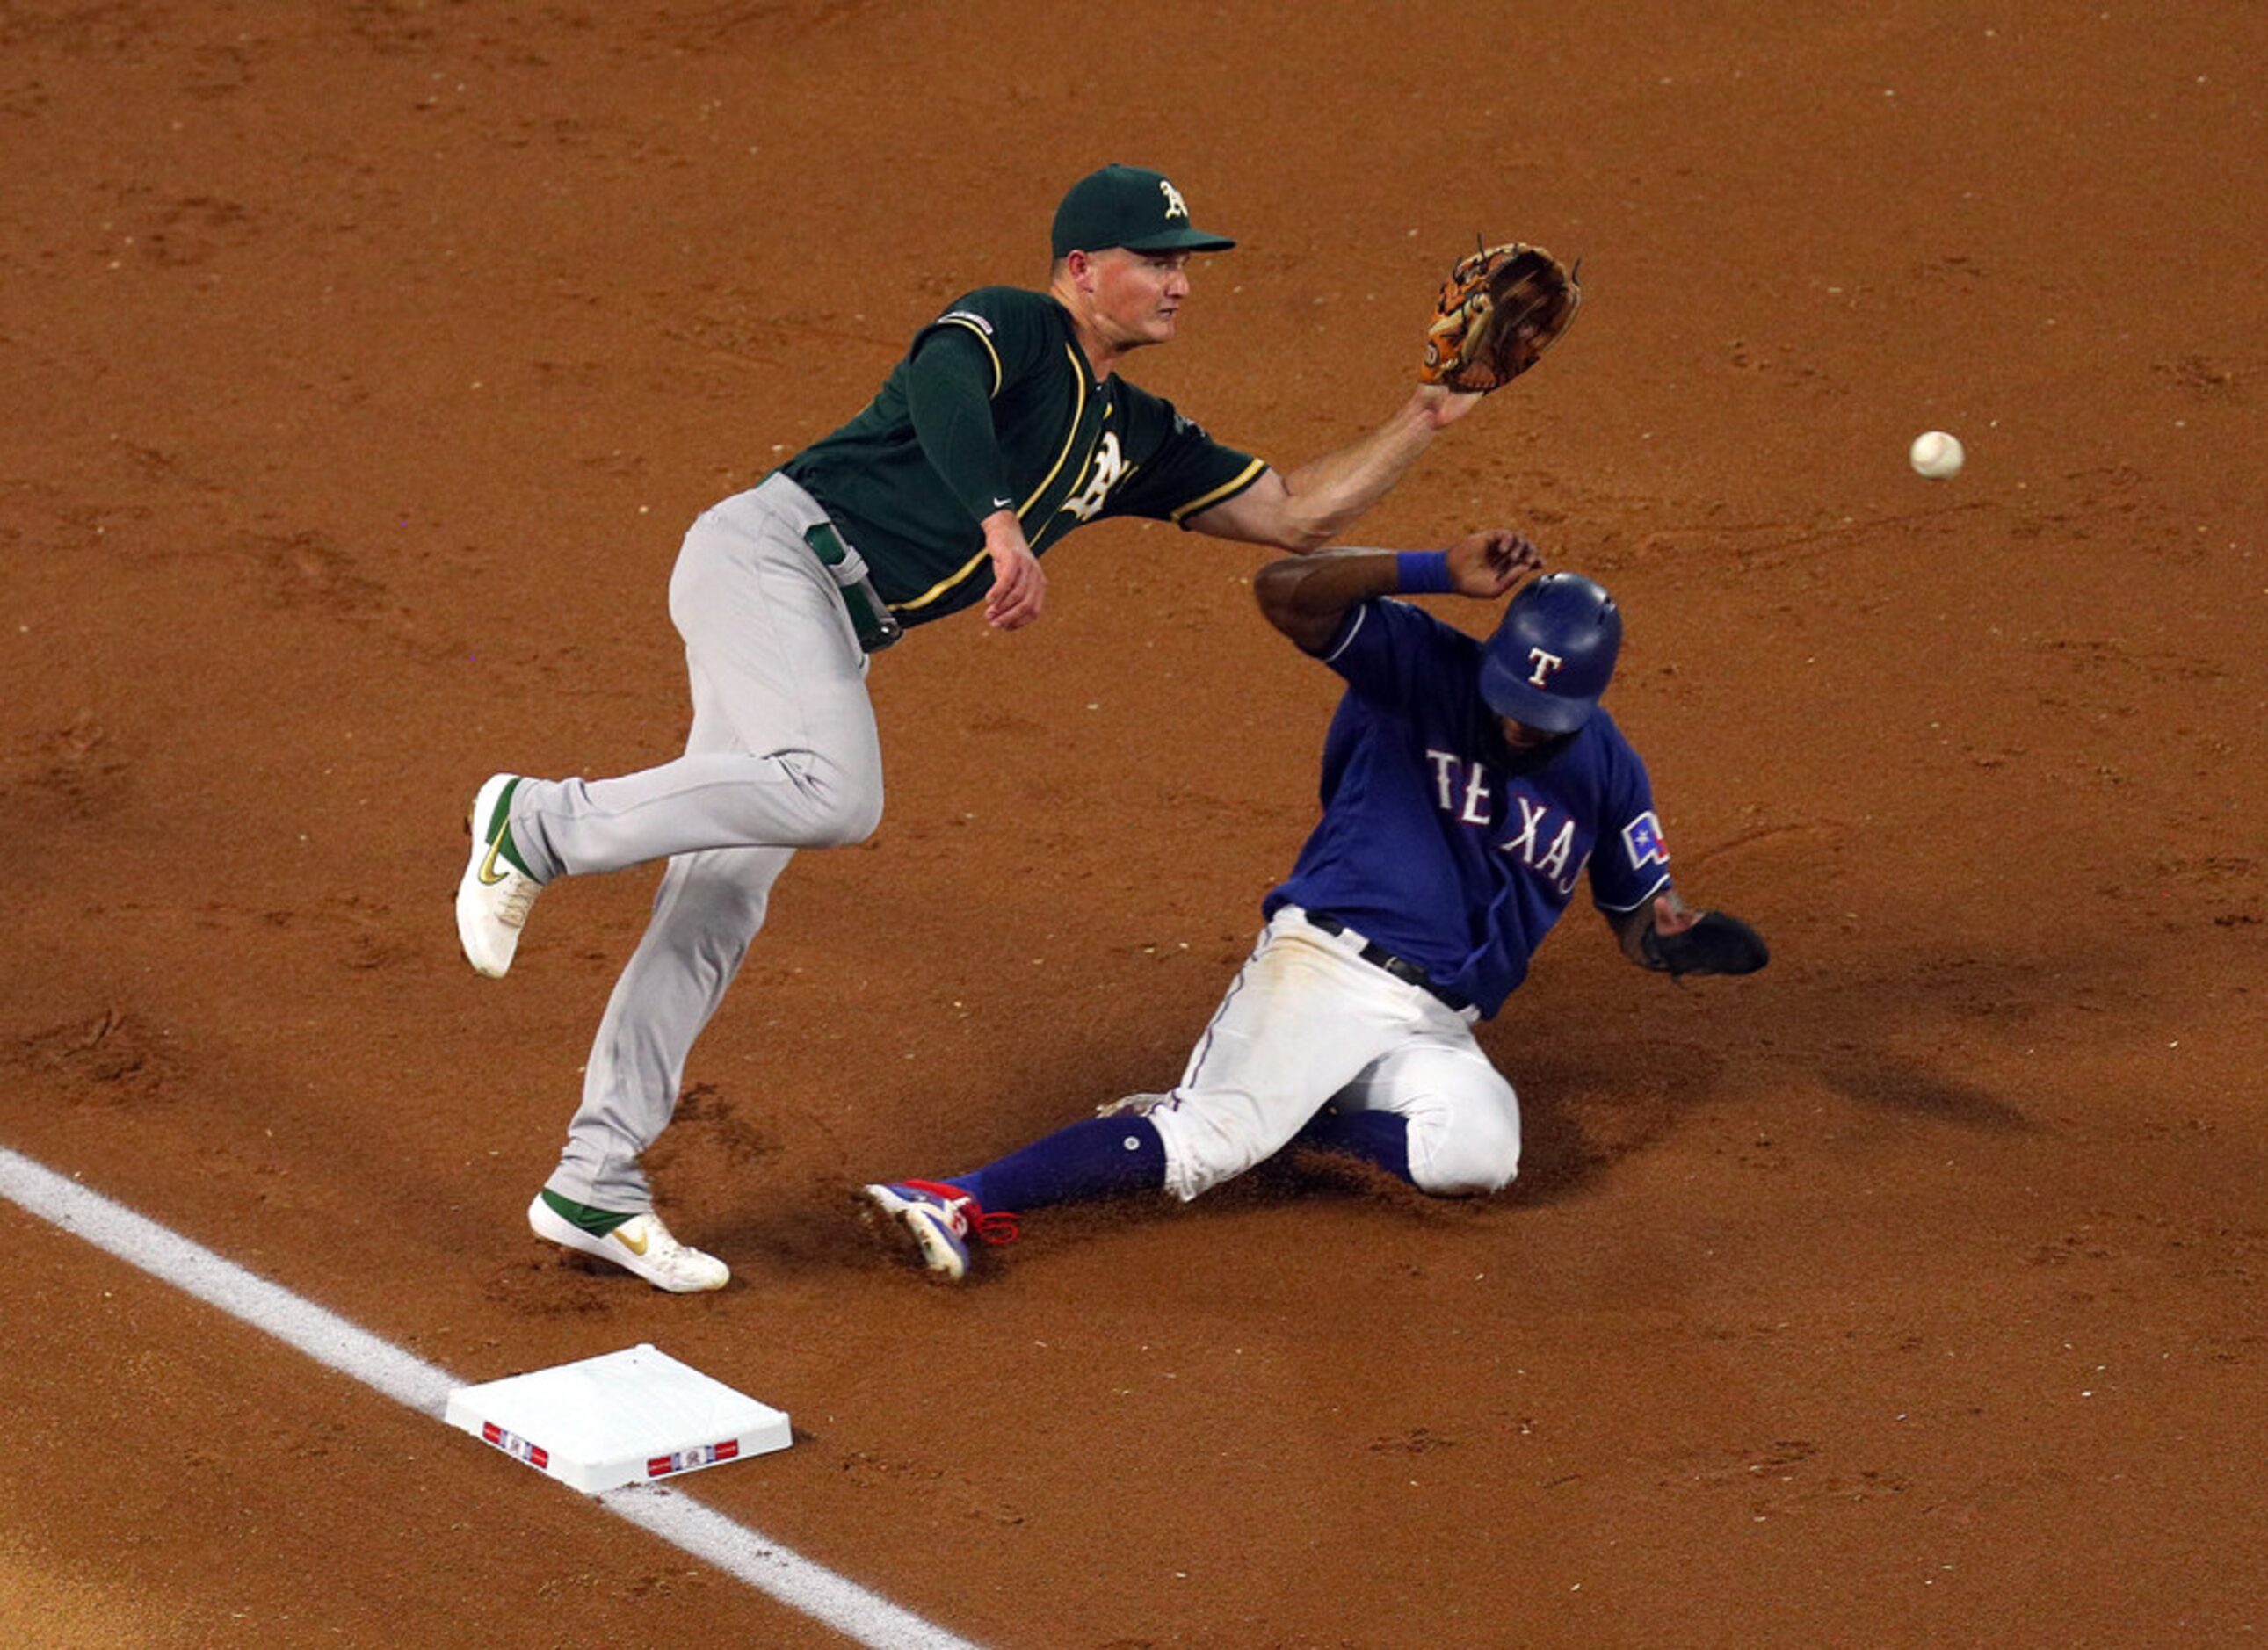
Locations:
(1131, 207)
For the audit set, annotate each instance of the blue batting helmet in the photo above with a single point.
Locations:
(1553, 653)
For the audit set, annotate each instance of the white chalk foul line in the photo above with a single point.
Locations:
(336, 1344)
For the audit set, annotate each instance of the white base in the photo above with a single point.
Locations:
(624, 1418)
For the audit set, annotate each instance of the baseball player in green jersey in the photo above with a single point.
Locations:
(1005, 427)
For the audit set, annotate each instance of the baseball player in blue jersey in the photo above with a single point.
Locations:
(1469, 788)
(1005, 426)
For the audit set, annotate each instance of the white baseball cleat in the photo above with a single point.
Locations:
(640, 1244)
(494, 895)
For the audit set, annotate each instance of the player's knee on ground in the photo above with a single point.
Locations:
(1463, 1151)
(1463, 1116)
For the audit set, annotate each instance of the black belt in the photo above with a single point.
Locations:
(1379, 957)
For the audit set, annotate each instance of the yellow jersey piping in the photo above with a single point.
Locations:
(1077, 412)
(1243, 479)
(979, 332)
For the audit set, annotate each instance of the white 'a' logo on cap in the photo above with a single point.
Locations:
(1544, 663)
(1176, 207)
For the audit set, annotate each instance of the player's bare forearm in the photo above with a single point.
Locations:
(1330, 494)
(1306, 508)
(1306, 597)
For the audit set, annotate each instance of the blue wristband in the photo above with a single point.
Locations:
(1423, 572)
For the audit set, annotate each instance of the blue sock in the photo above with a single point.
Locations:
(1381, 1137)
(1093, 1158)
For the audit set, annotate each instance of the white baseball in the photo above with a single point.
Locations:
(1936, 455)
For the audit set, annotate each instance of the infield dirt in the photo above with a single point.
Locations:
(362, 366)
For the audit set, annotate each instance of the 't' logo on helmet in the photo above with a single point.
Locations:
(1176, 207)
(1552, 654)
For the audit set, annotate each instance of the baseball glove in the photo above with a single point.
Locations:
(1717, 944)
(1499, 311)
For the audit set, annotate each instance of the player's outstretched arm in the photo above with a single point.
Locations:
(1306, 508)
(1306, 597)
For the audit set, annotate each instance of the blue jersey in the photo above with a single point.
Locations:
(1441, 842)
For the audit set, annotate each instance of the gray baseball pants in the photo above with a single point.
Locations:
(783, 755)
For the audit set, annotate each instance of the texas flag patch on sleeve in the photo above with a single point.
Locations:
(1642, 840)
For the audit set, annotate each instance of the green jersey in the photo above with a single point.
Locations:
(1069, 451)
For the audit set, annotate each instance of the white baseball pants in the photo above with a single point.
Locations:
(1308, 1022)
(783, 755)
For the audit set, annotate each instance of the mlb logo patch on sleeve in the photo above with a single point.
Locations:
(1642, 838)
